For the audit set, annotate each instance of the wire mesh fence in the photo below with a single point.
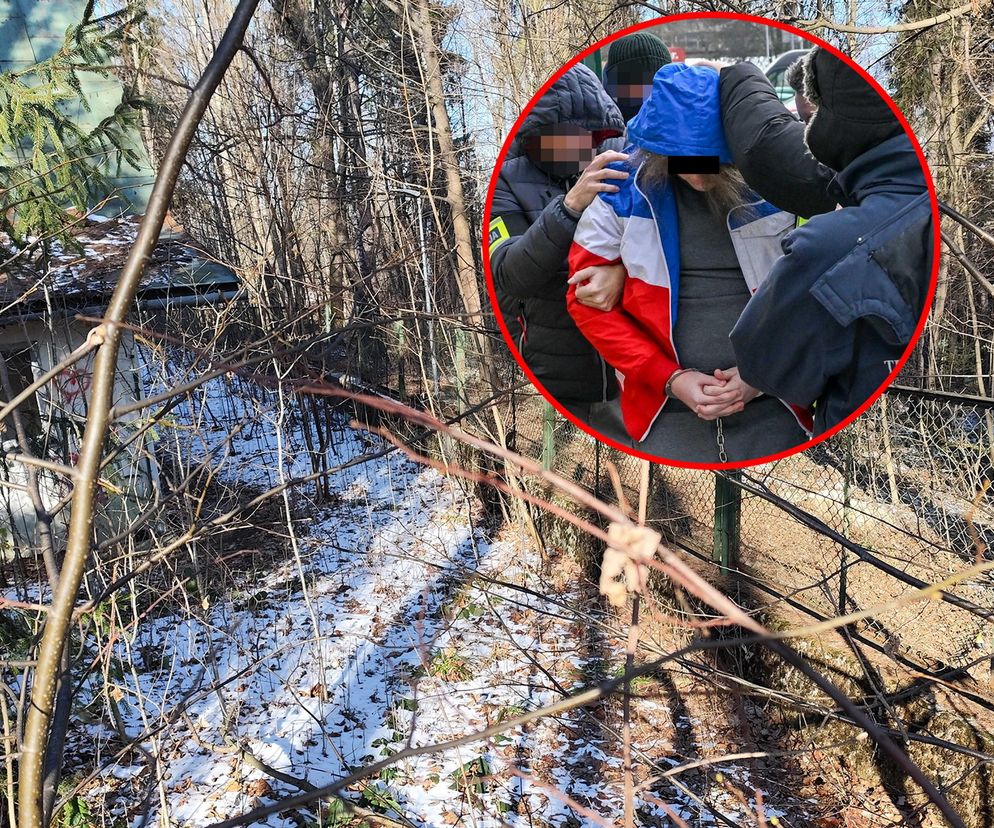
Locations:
(854, 525)
(858, 524)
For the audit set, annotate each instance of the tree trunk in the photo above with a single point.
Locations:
(466, 277)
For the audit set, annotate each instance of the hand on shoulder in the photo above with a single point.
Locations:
(595, 179)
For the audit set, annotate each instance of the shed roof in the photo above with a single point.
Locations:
(73, 280)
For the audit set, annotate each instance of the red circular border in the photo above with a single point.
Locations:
(801, 446)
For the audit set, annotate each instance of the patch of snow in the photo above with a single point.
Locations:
(391, 633)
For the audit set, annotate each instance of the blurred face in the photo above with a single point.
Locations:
(629, 91)
(564, 150)
(568, 147)
(631, 96)
(634, 91)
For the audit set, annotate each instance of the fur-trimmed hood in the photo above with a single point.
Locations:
(850, 116)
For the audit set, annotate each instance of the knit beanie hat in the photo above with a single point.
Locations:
(851, 117)
(633, 60)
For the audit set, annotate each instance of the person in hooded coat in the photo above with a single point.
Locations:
(694, 246)
(550, 175)
(632, 63)
(840, 307)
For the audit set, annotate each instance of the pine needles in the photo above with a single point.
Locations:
(51, 170)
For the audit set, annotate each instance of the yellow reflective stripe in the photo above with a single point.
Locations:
(498, 234)
(800, 220)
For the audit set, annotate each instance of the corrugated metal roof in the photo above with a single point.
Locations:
(179, 266)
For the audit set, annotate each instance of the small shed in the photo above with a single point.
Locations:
(48, 304)
(46, 312)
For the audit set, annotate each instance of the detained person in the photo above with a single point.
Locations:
(695, 243)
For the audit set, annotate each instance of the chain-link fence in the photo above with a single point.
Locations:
(859, 523)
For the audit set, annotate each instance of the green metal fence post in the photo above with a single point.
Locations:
(548, 436)
(460, 365)
(727, 514)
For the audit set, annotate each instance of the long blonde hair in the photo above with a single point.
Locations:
(729, 192)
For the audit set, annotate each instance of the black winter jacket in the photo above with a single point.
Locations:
(530, 238)
(839, 308)
(767, 144)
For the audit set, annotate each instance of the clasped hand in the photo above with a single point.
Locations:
(713, 396)
(599, 286)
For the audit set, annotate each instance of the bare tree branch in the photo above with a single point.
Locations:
(108, 336)
(911, 26)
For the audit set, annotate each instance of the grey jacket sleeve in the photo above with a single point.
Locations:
(767, 144)
(530, 260)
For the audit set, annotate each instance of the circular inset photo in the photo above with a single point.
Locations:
(705, 256)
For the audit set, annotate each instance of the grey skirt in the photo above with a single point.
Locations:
(763, 427)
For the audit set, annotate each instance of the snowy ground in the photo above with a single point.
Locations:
(397, 621)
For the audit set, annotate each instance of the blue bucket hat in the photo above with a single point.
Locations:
(682, 115)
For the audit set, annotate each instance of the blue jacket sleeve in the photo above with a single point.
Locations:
(786, 343)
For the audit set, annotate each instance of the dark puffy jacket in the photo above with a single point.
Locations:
(530, 237)
(841, 305)
(767, 144)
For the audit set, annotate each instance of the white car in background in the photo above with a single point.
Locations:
(777, 73)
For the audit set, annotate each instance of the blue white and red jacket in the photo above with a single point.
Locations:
(638, 228)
